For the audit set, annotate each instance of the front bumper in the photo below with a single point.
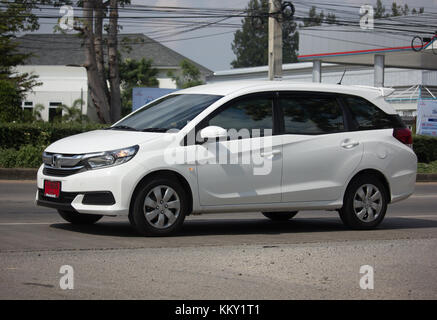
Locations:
(104, 191)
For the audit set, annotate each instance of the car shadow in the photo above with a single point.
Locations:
(209, 227)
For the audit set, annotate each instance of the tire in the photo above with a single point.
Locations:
(280, 216)
(153, 214)
(79, 218)
(131, 219)
(369, 210)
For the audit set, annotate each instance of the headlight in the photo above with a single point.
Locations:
(109, 158)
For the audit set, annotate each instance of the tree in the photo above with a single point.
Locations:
(379, 10)
(313, 18)
(10, 101)
(331, 18)
(73, 113)
(316, 19)
(106, 100)
(14, 17)
(190, 75)
(96, 83)
(135, 73)
(396, 10)
(114, 68)
(250, 44)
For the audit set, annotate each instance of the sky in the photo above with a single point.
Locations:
(215, 51)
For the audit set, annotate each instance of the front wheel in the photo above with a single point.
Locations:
(365, 203)
(280, 216)
(160, 207)
(79, 218)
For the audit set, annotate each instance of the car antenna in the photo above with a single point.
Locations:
(342, 76)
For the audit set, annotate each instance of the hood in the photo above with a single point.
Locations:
(101, 140)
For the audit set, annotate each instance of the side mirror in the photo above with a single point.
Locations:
(213, 132)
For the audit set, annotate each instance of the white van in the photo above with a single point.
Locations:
(271, 146)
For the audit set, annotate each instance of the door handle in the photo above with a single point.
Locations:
(270, 154)
(349, 144)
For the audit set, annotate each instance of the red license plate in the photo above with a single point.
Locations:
(52, 189)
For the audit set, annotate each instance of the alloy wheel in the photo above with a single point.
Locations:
(367, 203)
(162, 206)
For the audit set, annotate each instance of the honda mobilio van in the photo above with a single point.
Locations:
(270, 146)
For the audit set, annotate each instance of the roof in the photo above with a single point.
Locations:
(68, 49)
(237, 88)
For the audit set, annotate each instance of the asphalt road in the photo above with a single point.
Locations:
(218, 256)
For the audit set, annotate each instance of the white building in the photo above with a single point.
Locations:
(57, 60)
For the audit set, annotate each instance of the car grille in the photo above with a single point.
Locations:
(62, 165)
(60, 172)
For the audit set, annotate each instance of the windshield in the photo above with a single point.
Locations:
(171, 112)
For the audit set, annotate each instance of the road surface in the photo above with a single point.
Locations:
(218, 256)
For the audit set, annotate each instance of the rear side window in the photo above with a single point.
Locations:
(365, 115)
(311, 115)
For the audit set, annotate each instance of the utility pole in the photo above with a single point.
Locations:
(275, 39)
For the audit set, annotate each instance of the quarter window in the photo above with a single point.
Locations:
(311, 115)
(366, 115)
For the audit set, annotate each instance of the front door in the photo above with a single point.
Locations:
(245, 168)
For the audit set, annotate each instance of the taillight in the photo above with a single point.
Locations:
(404, 135)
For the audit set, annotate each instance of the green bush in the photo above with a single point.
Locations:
(16, 135)
(22, 144)
(427, 167)
(8, 158)
(28, 156)
(425, 148)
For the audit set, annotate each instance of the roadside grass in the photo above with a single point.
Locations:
(427, 167)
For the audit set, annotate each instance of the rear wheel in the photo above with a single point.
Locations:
(160, 207)
(365, 203)
(280, 216)
(79, 218)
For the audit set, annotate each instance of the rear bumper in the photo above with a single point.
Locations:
(402, 186)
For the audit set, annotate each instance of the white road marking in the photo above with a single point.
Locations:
(24, 223)
(424, 196)
(418, 216)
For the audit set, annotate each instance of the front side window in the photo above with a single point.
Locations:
(366, 115)
(171, 112)
(246, 113)
(311, 115)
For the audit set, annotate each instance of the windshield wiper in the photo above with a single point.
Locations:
(122, 127)
(155, 130)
